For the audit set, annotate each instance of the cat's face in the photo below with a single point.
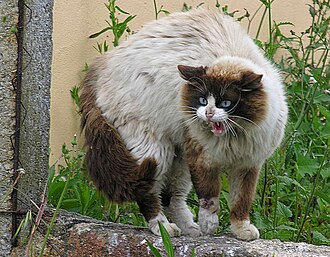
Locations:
(224, 99)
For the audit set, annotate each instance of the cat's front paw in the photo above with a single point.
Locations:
(208, 215)
(208, 222)
(244, 230)
(171, 228)
(191, 229)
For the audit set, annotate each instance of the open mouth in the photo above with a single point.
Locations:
(218, 128)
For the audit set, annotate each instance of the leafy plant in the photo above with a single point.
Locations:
(225, 10)
(114, 25)
(293, 198)
(160, 10)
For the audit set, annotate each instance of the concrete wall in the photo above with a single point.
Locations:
(33, 145)
(34, 136)
(8, 56)
(75, 20)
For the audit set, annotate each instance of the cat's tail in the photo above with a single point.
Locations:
(110, 164)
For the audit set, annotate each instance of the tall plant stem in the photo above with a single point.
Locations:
(276, 196)
(267, 8)
(156, 9)
(252, 18)
(302, 114)
(325, 156)
(261, 22)
(262, 203)
(54, 217)
(271, 47)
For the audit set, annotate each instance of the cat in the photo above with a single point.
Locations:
(188, 96)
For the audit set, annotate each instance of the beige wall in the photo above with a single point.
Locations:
(75, 20)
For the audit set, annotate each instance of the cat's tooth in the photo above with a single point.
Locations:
(218, 124)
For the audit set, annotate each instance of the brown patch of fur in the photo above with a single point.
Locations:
(204, 177)
(111, 166)
(190, 73)
(242, 190)
(149, 206)
(166, 197)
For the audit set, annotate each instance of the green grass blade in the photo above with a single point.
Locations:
(166, 240)
(153, 249)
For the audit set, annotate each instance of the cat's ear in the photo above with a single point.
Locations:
(250, 81)
(190, 73)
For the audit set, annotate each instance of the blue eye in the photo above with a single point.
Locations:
(225, 103)
(203, 101)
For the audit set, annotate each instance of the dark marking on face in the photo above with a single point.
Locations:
(238, 92)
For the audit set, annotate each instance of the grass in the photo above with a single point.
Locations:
(292, 201)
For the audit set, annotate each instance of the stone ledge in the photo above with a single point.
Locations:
(75, 236)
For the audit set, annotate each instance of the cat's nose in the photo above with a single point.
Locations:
(209, 114)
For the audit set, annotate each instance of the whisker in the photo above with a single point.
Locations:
(223, 89)
(187, 122)
(234, 107)
(187, 111)
(199, 89)
(189, 107)
(226, 140)
(202, 90)
(231, 129)
(246, 119)
(239, 126)
(182, 111)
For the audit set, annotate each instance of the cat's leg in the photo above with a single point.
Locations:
(151, 209)
(207, 186)
(242, 189)
(206, 181)
(143, 145)
(174, 193)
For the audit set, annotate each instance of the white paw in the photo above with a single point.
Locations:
(191, 229)
(244, 230)
(208, 221)
(208, 215)
(171, 228)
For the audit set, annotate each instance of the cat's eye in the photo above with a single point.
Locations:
(225, 103)
(203, 101)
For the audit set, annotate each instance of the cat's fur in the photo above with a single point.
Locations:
(188, 96)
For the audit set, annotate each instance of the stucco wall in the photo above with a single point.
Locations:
(75, 20)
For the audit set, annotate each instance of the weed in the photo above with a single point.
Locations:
(291, 202)
(160, 10)
(114, 25)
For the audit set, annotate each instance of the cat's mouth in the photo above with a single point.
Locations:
(218, 128)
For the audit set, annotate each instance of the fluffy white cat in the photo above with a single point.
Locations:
(186, 97)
